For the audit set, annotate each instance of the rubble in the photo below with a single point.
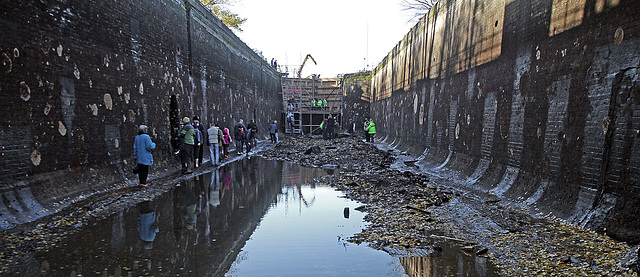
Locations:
(411, 213)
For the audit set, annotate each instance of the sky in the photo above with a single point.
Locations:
(343, 36)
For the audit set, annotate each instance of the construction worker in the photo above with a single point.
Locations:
(323, 128)
(371, 130)
(324, 103)
(313, 104)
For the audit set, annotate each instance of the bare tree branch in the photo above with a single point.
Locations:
(418, 7)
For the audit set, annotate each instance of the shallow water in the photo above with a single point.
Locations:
(249, 218)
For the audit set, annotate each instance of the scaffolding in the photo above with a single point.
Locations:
(297, 96)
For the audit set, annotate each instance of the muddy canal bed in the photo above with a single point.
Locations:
(415, 212)
(250, 217)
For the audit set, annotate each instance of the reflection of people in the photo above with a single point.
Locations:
(214, 188)
(142, 153)
(191, 207)
(147, 225)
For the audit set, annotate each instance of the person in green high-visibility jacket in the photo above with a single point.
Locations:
(324, 103)
(371, 130)
(313, 104)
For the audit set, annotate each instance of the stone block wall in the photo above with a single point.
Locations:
(77, 77)
(537, 102)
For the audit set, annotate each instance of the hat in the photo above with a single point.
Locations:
(143, 128)
(196, 118)
(185, 120)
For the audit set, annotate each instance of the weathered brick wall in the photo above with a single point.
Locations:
(536, 101)
(77, 77)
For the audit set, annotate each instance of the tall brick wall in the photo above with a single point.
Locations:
(536, 101)
(78, 76)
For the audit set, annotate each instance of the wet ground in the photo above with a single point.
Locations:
(412, 211)
(224, 222)
(250, 217)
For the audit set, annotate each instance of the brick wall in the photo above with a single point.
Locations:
(77, 77)
(536, 101)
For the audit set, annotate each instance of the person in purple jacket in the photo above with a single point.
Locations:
(142, 153)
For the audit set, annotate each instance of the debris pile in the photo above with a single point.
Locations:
(409, 213)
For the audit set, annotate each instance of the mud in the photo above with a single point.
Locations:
(410, 213)
(414, 212)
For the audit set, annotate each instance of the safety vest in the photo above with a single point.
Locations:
(313, 103)
(322, 125)
(371, 128)
(324, 102)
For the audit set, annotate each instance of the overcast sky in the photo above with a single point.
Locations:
(334, 32)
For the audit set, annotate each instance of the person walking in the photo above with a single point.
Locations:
(187, 134)
(252, 135)
(142, 148)
(226, 140)
(200, 141)
(240, 135)
(354, 124)
(290, 120)
(273, 131)
(371, 130)
(214, 137)
(331, 125)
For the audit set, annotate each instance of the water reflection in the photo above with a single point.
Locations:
(250, 215)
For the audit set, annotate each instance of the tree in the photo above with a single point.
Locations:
(418, 7)
(220, 9)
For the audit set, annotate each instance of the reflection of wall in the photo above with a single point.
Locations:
(532, 100)
(78, 77)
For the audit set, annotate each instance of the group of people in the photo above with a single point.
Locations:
(317, 104)
(193, 137)
(328, 127)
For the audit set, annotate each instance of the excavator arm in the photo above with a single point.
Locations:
(304, 61)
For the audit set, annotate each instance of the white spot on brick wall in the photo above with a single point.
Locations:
(59, 50)
(127, 97)
(61, 128)
(108, 103)
(141, 88)
(47, 109)
(94, 109)
(618, 36)
(35, 157)
(25, 91)
(76, 72)
(119, 90)
(6, 63)
(116, 143)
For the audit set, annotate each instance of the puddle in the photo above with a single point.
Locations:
(249, 218)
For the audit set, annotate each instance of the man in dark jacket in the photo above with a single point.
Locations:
(240, 135)
(252, 132)
(201, 135)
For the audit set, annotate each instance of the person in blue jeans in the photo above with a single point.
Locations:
(142, 148)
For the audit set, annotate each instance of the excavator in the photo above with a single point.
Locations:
(304, 61)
